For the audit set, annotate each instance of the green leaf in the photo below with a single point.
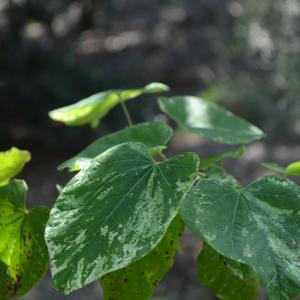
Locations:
(230, 280)
(258, 225)
(114, 212)
(293, 169)
(90, 110)
(210, 161)
(152, 134)
(138, 280)
(23, 252)
(274, 167)
(12, 163)
(216, 171)
(209, 120)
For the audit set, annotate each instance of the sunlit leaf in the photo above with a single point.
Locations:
(138, 280)
(293, 169)
(114, 212)
(23, 252)
(258, 225)
(230, 280)
(209, 120)
(152, 134)
(12, 163)
(90, 110)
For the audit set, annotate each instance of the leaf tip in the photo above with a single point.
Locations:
(156, 87)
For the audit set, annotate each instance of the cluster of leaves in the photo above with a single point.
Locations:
(23, 252)
(119, 219)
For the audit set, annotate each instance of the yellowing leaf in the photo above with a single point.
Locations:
(12, 163)
(293, 169)
(23, 252)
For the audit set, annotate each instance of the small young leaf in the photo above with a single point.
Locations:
(114, 212)
(152, 134)
(293, 169)
(209, 120)
(258, 225)
(12, 163)
(209, 161)
(274, 167)
(23, 252)
(138, 280)
(90, 110)
(230, 280)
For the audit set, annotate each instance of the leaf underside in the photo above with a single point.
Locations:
(261, 223)
(23, 252)
(230, 280)
(151, 134)
(92, 109)
(209, 120)
(114, 212)
(138, 280)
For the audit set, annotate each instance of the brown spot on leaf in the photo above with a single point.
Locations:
(154, 283)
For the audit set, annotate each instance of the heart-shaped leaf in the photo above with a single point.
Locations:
(138, 280)
(209, 120)
(152, 134)
(12, 163)
(23, 252)
(230, 280)
(114, 212)
(258, 225)
(90, 110)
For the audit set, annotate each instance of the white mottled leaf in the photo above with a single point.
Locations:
(114, 212)
(258, 225)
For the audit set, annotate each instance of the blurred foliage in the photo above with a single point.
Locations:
(263, 78)
(244, 53)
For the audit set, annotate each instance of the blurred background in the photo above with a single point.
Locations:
(242, 54)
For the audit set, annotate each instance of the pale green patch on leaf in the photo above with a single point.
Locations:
(273, 167)
(293, 169)
(216, 171)
(152, 134)
(157, 151)
(114, 212)
(23, 252)
(258, 225)
(209, 120)
(12, 163)
(210, 161)
(138, 280)
(230, 280)
(90, 110)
